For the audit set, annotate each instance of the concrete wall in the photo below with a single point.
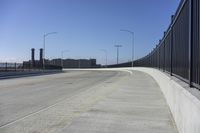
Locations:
(184, 106)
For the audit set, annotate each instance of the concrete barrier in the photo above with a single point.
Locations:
(185, 107)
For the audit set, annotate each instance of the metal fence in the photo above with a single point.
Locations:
(178, 53)
(25, 66)
(11, 67)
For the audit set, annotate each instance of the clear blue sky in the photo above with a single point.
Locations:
(84, 27)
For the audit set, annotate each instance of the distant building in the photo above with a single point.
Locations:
(75, 63)
(58, 63)
(38, 64)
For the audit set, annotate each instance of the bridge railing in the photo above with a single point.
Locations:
(25, 66)
(178, 52)
(6, 66)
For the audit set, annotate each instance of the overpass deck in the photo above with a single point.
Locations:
(86, 102)
(136, 106)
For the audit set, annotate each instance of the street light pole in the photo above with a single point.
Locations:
(106, 54)
(62, 52)
(118, 46)
(132, 33)
(44, 46)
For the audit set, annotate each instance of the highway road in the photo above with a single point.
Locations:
(76, 101)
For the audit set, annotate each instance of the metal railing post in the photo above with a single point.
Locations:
(190, 41)
(171, 47)
(29, 66)
(6, 66)
(22, 68)
(15, 66)
(164, 54)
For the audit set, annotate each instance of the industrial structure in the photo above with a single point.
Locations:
(38, 64)
(58, 63)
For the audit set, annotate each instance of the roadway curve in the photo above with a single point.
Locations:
(51, 103)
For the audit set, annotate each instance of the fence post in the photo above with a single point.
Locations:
(164, 66)
(23, 66)
(190, 41)
(29, 66)
(171, 46)
(6, 66)
(159, 57)
(15, 66)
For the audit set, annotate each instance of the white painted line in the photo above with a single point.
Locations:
(103, 69)
(37, 112)
(130, 72)
(53, 105)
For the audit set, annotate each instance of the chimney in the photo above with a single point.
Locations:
(41, 56)
(33, 57)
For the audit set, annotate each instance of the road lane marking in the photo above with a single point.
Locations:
(48, 107)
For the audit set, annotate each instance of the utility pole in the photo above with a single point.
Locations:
(118, 46)
(106, 55)
(62, 56)
(44, 46)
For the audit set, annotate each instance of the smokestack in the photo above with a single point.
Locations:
(33, 56)
(41, 56)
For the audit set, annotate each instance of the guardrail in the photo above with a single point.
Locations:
(26, 66)
(178, 52)
(12, 67)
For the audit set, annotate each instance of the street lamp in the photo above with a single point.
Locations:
(106, 54)
(62, 52)
(132, 33)
(44, 46)
(118, 46)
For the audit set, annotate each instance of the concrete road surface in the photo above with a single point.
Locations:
(84, 102)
